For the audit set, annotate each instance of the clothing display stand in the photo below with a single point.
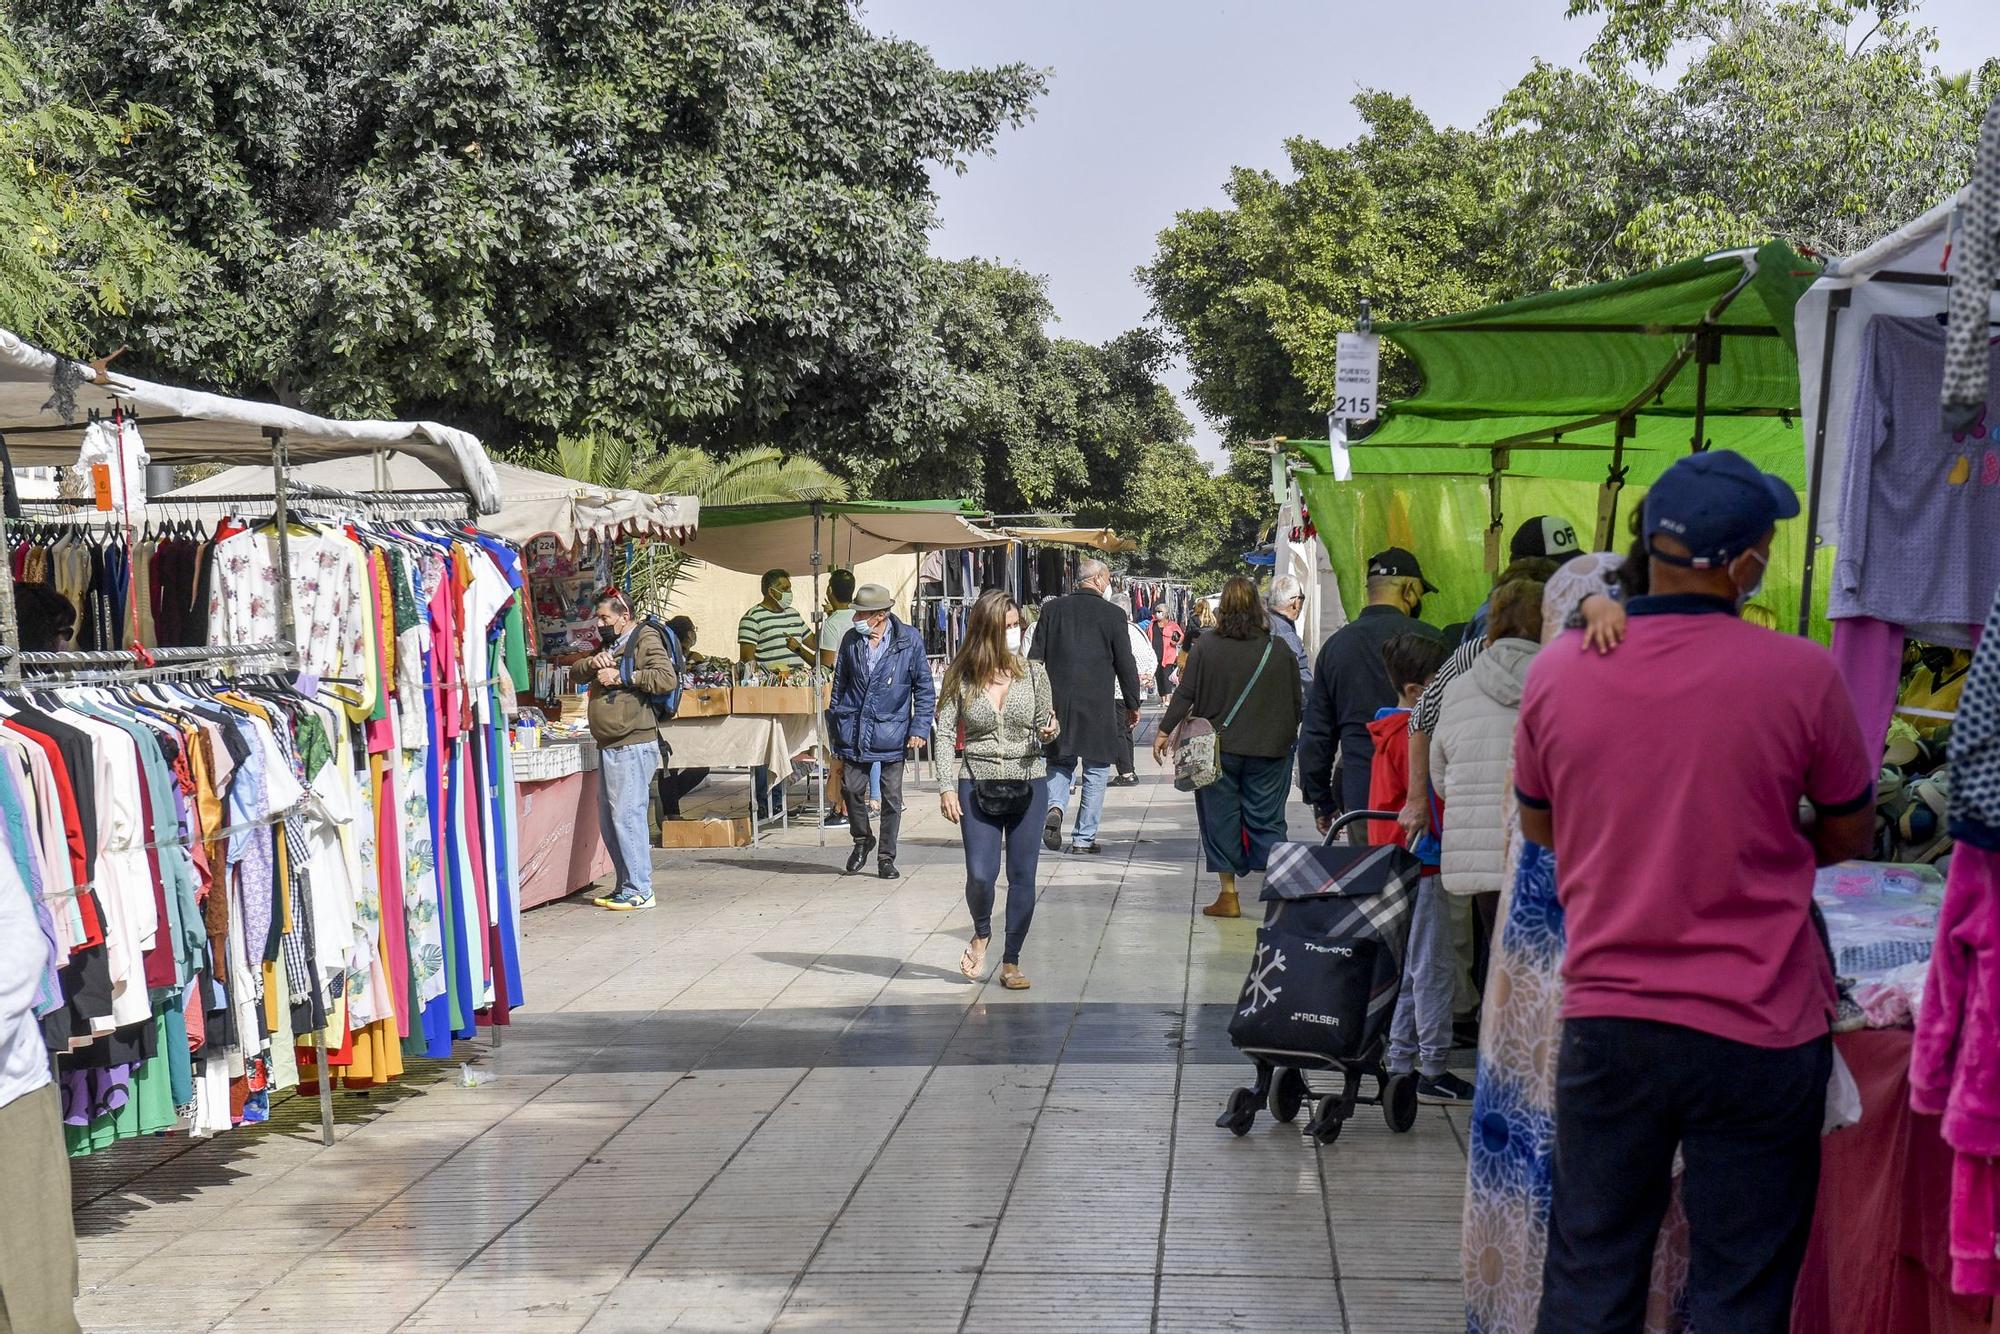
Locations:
(285, 499)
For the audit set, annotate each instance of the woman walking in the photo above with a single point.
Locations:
(1003, 706)
(1244, 683)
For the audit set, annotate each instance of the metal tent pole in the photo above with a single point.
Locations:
(1836, 302)
(825, 756)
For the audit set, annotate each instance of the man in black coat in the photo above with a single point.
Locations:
(1350, 685)
(1083, 641)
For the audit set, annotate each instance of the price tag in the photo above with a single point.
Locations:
(1357, 369)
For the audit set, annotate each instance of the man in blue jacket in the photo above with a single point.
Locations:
(883, 703)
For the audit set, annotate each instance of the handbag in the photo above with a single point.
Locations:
(1198, 748)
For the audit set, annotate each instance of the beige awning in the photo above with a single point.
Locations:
(846, 538)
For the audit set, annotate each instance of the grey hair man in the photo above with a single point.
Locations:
(1286, 599)
(1086, 645)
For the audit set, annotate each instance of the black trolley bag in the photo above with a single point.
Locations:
(1323, 982)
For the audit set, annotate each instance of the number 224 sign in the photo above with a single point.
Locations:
(1356, 371)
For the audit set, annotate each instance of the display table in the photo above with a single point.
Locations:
(740, 741)
(1878, 1262)
(562, 849)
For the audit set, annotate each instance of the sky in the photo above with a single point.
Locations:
(1152, 102)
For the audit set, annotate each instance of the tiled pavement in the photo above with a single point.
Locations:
(773, 1104)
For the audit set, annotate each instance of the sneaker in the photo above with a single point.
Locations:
(1084, 849)
(627, 901)
(832, 818)
(1445, 1090)
(1052, 831)
(1125, 780)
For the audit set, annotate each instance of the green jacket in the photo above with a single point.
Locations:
(621, 715)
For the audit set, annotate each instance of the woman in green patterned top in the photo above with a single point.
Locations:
(1005, 711)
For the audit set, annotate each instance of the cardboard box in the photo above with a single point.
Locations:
(705, 833)
(705, 702)
(778, 699)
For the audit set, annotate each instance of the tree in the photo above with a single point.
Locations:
(756, 476)
(1821, 121)
(77, 245)
(702, 219)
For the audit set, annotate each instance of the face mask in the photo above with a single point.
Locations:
(1106, 591)
(785, 598)
(1013, 639)
(606, 636)
(1743, 595)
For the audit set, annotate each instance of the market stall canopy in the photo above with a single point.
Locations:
(531, 502)
(1905, 273)
(190, 426)
(1698, 352)
(755, 538)
(1098, 539)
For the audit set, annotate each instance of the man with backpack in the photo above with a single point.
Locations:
(634, 687)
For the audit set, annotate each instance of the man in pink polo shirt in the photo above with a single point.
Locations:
(1669, 777)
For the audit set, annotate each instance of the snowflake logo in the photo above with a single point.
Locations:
(1269, 961)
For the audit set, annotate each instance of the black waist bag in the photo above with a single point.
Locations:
(1311, 996)
(1004, 799)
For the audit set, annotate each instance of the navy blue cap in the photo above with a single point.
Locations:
(1717, 505)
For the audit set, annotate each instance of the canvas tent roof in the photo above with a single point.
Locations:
(1548, 377)
(531, 502)
(755, 538)
(1904, 273)
(189, 425)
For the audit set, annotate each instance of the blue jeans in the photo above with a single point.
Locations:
(1420, 1030)
(1096, 777)
(1247, 798)
(983, 837)
(624, 791)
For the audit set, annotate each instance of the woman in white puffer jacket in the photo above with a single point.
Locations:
(1472, 754)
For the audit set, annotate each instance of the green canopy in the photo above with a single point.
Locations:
(1552, 404)
(1706, 342)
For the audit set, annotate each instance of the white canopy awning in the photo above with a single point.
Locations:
(1901, 274)
(531, 503)
(189, 426)
(846, 538)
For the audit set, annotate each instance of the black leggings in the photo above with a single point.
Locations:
(983, 837)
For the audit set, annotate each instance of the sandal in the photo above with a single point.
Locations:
(1011, 978)
(973, 961)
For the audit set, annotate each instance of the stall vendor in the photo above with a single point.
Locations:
(772, 633)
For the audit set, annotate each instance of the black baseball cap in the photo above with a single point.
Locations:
(1716, 504)
(1545, 535)
(1396, 563)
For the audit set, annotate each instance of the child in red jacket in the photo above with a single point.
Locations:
(1420, 1032)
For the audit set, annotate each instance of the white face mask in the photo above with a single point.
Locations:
(785, 598)
(1743, 595)
(1013, 639)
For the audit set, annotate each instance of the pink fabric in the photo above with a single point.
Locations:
(1955, 1062)
(1674, 768)
(1955, 1065)
(1869, 654)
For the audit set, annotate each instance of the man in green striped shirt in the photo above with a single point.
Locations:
(772, 633)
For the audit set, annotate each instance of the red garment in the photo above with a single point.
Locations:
(1389, 780)
(1170, 642)
(79, 862)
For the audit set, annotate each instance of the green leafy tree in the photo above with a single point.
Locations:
(77, 245)
(1822, 121)
(1254, 295)
(540, 218)
(756, 476)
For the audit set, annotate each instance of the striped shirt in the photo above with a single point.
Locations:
(1424, 718)
(768, 630)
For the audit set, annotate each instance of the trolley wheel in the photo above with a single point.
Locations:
(1326, 1123)
(1288, 1095)
(1239, 1114)
(1399, 1102)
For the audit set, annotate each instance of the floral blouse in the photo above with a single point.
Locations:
(1003, 744)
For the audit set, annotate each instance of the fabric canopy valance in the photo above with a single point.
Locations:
(190, 426)
(531, 502)
(755, 538)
